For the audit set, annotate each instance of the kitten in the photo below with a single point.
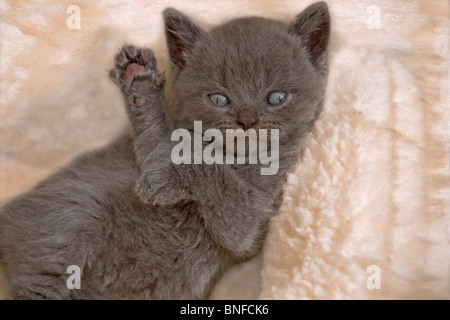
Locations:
(141, 227)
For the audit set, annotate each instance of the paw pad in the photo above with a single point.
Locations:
(139, 101)
(132, 61)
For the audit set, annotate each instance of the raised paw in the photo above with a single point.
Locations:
(136, 73)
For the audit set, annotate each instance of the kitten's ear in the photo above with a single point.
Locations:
(181, 35)
(313, 28)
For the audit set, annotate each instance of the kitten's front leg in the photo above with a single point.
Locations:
(142, 85)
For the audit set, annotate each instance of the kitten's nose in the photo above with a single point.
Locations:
(247, 122)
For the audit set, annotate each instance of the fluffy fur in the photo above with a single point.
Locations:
(384, 201)
(141, 227)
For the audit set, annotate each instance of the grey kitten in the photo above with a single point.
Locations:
(141, 227)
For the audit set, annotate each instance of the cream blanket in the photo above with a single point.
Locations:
(365, 213)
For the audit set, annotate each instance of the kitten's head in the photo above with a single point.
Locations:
(250, 72)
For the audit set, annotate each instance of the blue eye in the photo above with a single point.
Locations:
(275, 98)
(218, 99)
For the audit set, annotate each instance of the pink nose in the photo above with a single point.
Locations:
(247, 122)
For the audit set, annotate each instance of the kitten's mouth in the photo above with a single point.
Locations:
(233, 136)
(248, 141)
(227, 146)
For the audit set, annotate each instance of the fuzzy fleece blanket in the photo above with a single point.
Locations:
(365, 213)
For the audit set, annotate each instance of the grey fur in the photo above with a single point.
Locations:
(141, 227)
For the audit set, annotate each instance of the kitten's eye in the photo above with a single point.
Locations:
(218, 99)
(275, 98)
